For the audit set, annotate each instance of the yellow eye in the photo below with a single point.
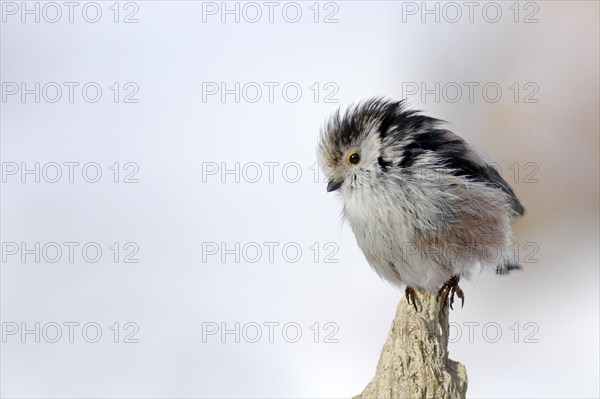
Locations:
(353, 157)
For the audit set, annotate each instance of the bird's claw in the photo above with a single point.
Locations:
(411, 296)
(448, 290)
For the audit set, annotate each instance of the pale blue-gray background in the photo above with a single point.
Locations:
(170, 132)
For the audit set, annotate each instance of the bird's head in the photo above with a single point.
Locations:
(361, 145)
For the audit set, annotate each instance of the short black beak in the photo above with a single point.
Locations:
(333, 185)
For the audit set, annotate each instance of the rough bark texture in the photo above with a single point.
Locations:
(414, 360)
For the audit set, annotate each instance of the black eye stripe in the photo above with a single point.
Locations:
(384, 164)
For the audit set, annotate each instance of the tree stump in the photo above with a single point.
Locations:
(414, 360)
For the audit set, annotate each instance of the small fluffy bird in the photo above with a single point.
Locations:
(425, 207)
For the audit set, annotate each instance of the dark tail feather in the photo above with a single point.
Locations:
(507, 268)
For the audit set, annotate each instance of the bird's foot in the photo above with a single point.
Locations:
(411, 297)
(450, 287)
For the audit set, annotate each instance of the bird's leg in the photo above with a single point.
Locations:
(448, 290)
(411, 296)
